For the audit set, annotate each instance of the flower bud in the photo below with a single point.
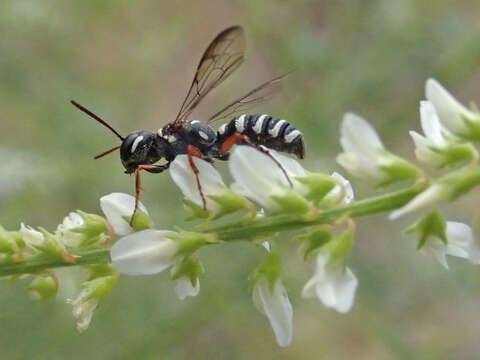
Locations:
(445, 189)
(41, 241)
(93, 292)
(81, 229)
(43, 287)
(7, 243)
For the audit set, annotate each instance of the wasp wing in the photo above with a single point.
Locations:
(222, 57)
(256, 96)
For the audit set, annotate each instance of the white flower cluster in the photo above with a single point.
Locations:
(447, 126)
(260, 179)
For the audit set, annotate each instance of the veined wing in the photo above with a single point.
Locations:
(222, 57)
(256, 96)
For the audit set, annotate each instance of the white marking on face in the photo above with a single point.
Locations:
(292, 135)
(194, 122)
(135, 143)
(203, 135)
(222, 129)
(259, 124)
(160, 132)
(240, 123)
(276, 129)
(171, 139)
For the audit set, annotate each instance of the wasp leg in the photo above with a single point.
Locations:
(238, 138)
(138, 186)
(193, 151)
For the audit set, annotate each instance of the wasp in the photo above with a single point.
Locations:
(142, 150)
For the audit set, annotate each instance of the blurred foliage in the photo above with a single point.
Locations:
(131, 62)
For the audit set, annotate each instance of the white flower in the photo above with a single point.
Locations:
(333, 284)
(118, 208)
(70, 222)
(259, 178)
(83, 310)
(456, 117)
(184, 287)
(365, 156)
(460, 243)
(33, 238)
(277, 307)
(266, 246)
(363, 150)
(210, 180)
(93, 292)
(446, 188)
(343, 189)
(428, 148)
(145, 252)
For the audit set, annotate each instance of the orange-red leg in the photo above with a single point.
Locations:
(238, 138)
(138, 185)
(191, 152)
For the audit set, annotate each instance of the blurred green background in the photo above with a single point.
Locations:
(132, 62)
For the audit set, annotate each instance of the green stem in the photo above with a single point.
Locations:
(276, 223)
(40, 262)
(236, 231)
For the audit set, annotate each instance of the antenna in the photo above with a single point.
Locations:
(106, 152)
(101, 121)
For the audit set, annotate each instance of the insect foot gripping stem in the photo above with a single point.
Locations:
(193, 151)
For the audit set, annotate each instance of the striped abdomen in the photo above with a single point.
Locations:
(264, 130)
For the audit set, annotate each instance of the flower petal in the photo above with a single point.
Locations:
(116, 206)
(358, 136)
(460, 239)
(431, 125)
(277, 307)
(430, 197)
(184, 177)
(449, 110)
(31, 237)
(184, 288)
(143, 253)
(344, 188)
(259, 178)
(334, 287)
